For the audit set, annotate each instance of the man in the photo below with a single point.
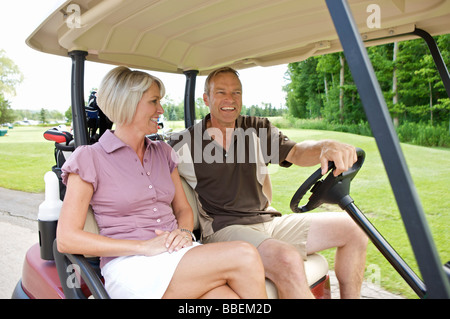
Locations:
(224, 159)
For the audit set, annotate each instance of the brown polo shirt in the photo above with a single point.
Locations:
(232, 186)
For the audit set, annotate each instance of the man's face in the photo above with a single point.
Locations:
(224, 99)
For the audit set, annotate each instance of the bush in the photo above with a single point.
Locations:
(408, 132)
(424, 134)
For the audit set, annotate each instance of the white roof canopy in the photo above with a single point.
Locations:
(180, 35)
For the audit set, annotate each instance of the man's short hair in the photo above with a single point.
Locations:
(224, 69)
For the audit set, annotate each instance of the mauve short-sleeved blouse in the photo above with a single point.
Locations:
(130, 199)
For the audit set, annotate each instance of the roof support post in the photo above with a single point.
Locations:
(189, 98)
(77, 89)
(437, 57)
(377, 113)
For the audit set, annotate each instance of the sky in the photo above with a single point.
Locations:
(46, 81)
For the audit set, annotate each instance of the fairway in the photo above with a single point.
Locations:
(26, 156)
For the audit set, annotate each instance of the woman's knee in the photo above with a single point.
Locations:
(246, 253)
(243, 258)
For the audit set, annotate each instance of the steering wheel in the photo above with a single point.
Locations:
(331, 190)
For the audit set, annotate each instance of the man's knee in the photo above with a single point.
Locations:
(357, 236)
(280, 256)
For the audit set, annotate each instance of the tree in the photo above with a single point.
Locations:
(10, 75)
(68, 114)
(322, 87)
(329, 66)
(341, 87)
(420, 86)
(394, 83)
(6, 114)
(43, 116)
(305, 83)
(170, 109)
(201, 110)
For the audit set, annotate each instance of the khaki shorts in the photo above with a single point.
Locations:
(290, 228)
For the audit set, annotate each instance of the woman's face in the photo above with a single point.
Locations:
(148, 110)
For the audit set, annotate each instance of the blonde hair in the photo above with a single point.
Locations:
(121, 90)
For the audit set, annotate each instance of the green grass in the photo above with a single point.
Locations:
(25, 156)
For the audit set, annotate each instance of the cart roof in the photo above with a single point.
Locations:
(176, 36)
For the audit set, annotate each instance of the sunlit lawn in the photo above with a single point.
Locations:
(25, 156)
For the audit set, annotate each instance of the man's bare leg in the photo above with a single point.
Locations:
(284, 266)
(329, 230)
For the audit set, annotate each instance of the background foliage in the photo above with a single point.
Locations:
(322, 88)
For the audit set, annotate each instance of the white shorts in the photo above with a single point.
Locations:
(141, 277)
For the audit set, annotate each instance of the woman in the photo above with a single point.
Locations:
(145, 221)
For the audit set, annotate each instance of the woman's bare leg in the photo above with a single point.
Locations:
(222, 292)
(209, 270)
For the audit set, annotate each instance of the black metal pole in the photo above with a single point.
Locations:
(189, 98)
(437, 57)
(77, 89)
(382, 128)
(387, 250)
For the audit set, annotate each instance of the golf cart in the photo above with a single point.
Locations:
(197, 36)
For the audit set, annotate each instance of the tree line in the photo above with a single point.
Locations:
(173, 111)
(322, 87)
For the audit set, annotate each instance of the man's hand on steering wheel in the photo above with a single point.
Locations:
(332, 189)
(343, 155)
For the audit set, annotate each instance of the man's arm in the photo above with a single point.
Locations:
(310, 153)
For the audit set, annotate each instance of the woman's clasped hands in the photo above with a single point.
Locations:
(175, 240)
